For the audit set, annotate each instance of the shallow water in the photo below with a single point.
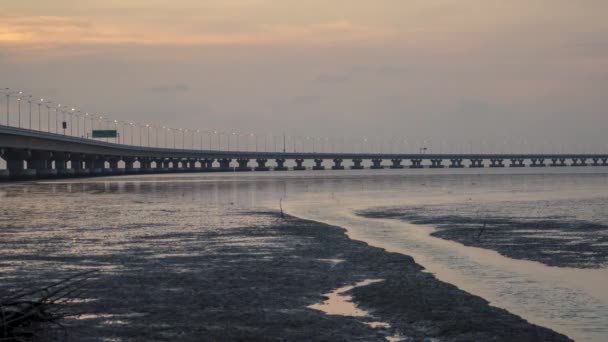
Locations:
(100, 215)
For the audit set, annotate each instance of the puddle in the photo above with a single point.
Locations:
(341, 304)
(338, 303)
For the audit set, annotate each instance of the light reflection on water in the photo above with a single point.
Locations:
(101, 211)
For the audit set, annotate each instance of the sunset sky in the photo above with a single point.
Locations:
(454, 71)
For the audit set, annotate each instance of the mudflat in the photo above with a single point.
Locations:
(255, 282)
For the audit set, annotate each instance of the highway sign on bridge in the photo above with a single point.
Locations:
(109, 133)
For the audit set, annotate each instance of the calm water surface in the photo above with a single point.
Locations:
(102, 210)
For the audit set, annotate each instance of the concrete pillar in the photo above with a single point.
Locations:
(77, 161)
(101, 163)
(145, 165)
(15, 163)
(338, 164)
(160, 166)
(208, 164)
(604, 161)
(318, 165)
(377, 164)
(129, 169)
(436, 164)
(357, 164)
(497, 162)
(61, 164)
(114, 169)
(456, 163)
(537, 162)
(242, 164)
(579, 162)
(280, 165)
(476, 163)
(41, 161)
(262, 164)
(396, 163)
(596, 162)
(299, 165)
(175, 165)
(416, 163)
(558, 162)
(92, 165)
(517, 162)
(225, 164)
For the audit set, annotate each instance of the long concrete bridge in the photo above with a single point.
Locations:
(31, 154)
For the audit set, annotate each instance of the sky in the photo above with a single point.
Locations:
(456, 75)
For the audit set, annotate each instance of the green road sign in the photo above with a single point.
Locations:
(108, 133)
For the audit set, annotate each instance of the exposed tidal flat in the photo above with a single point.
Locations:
(210, 258)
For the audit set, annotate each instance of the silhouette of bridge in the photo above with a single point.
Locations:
(33, 154)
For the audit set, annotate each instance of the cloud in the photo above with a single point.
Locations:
(57, 31)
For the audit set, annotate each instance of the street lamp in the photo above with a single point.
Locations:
(19, 107)
(29, 101)
(8, 94)
(48, 115)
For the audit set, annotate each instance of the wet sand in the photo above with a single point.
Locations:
(256, 282)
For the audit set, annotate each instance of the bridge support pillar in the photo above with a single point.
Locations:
(338, 164)
(41, 161)
(416, 164)
(357, 164)
(243, 164)
(161, 166)
(604, 161)
(537, 162)
(15, 163)
(280, 165)
(114, 166)
(208, 164)
(436, 164)
(517, 162)
(129, 169)
(225, 164)
(77, 163)
(175, 165)
(456, 163)
(476, 163)
(596, 162)
(262, 164)
(61, 164)
(192, 166)
(299, 165)
(318, 165)
(145, 165)
(497, 162)
(377, 164)
(558, 162)
(91, 165)
(396, 163)
(579, 162)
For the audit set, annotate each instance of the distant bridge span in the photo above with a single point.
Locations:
(32, 154)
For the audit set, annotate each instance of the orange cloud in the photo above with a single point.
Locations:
(49, 32)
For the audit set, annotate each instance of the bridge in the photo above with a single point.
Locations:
(33, 154)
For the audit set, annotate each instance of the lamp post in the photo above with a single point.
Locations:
(19, 109)
(39, 115)
(48, 115)
(9, 93)
(29, 101)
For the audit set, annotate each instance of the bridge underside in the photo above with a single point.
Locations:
(36, 155)
(37, 164)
